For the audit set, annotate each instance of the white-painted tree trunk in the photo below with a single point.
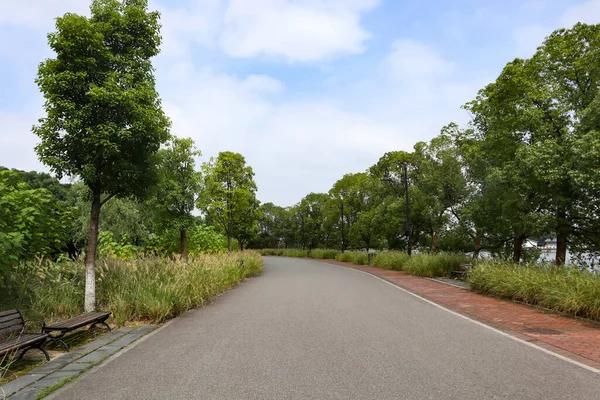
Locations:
(90, 287)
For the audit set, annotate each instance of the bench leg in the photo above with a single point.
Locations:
(66, 346)
(40, 348)
(102, 323)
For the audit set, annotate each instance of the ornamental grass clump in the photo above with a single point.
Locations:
(435, 264)
(557, 288)
(150, 289)
(394, 260)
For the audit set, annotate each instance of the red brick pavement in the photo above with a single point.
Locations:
(570, 337)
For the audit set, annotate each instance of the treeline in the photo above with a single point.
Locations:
(526, 166)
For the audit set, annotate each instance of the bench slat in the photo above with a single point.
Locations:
(8, 331)
(21, 341)
(78, 321)
(8, 324)
(10, 317)
(9, 312)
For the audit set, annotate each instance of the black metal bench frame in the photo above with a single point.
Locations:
(12, 321)
(462, 272)
(63, 327)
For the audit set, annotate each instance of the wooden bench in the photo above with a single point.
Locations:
(461, 273)
(13, 336)
(60, 329)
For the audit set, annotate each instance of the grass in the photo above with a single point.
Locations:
(425, 264)
(47, 391)
(148, 289)
(433, 265)
(355, 257)
(557, 288)
(394, 260)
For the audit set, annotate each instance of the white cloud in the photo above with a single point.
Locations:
(412, 61)
(301, 145)
(295, 30)
(38, 14)
(295, 145)
(587, 12)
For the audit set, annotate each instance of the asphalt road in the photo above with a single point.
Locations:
(308, 330)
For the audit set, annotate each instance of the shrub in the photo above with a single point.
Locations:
(554, 287)
(435, 264)
(150, 289)
(355, 257)
(393, 260)
(324, 254)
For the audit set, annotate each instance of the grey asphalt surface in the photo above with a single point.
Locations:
(308, 330)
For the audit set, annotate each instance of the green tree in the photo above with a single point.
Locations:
(312, 211)
(271, 225)
(536, 126)
(104, 121)
(175, 194)
(228, 197)
(32, 221)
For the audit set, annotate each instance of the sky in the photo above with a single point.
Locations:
(306, 90)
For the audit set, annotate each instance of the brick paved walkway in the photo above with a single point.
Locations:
(576, 339)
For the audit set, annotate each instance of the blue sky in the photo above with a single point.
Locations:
(307, 90)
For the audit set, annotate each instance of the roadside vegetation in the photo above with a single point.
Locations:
(425, 264)
(148, 289)
(558, 288)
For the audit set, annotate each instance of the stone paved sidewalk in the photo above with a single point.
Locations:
(576, 339)
(71, 364)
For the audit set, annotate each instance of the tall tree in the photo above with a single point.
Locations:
(177, 189)
(532, 123)
(312, 211)
(104, 121)
(228, 196)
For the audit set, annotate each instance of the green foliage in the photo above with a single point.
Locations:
(394, 260)
(144, 289)
(109, 247)
(32, 222)
(201, 239)
(205, 239)
(284, 252)
(228, 196)
(36, 180)
(104, 121)
(435, 264)
(178, 185)
(271, 226)
(557, 288)
(355, 257)
(324, 254)
(123, 217)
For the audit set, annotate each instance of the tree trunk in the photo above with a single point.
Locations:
(183, 244)
(434, 238)
(518, 246)
(228, 242)
(241, 245)
(90, 255)
(477, 244)
(562, 234)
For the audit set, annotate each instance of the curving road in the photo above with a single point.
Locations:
(308, 330)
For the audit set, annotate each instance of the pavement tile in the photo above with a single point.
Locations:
(75, 366)
(53, 379)
(26, 394)
(19, 383)
(103, 340)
